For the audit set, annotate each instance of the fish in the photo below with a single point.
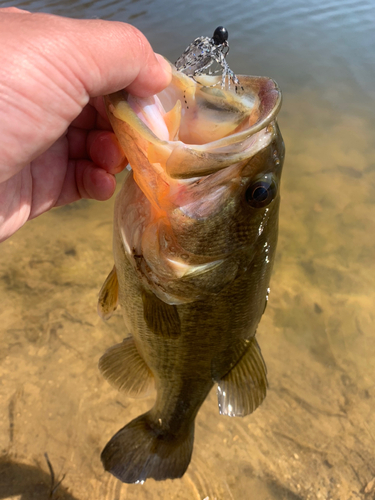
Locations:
(195, 232)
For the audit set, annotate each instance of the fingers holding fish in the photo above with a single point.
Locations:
(94, 157)
(90, 136)
(84, 179)
(105, 151)
(101, 119)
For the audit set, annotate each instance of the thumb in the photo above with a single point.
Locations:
(51, 66)
(104, 56)
(110, 56)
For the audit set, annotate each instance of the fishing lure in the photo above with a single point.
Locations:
(201, 54)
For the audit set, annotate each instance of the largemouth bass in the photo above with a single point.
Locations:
(195, 232)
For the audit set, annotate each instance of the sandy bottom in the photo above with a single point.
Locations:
(313, 437)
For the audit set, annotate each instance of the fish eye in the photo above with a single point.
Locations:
(220, 35)
(261, 191)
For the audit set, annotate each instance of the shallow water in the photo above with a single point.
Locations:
(314, 436)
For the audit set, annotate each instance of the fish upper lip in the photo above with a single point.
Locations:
(269, 94)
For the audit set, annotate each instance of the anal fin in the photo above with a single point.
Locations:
(125, 369)
(244, 388)
(108, 296)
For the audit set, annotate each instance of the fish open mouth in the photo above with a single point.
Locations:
(196, 114)
(195, 129)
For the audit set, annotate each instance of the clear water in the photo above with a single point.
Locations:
(314, 436)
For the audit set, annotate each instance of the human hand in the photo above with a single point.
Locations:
(56, 144)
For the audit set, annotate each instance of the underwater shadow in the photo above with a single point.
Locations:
(28, 482)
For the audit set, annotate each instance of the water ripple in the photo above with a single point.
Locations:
(301, 44)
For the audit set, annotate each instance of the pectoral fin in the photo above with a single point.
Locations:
(243, 389)
(161, 318)
(125, 369)
(108, 296)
